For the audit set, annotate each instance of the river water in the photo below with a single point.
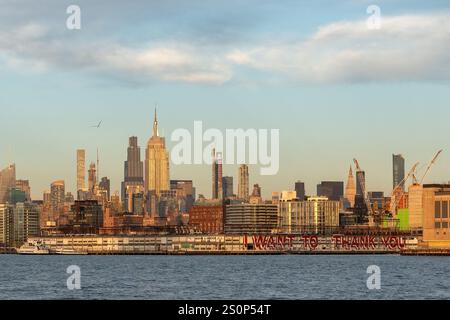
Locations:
(224, 277)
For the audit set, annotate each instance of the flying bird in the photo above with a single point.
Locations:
(98, 125)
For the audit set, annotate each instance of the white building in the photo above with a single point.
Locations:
(317, 215)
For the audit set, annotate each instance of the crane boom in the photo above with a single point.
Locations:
(431, 165)
(395, 198)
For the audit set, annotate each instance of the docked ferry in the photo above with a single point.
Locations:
(33, 249)
(69, 252)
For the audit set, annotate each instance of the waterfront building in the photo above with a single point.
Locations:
(17, 223)
(121, 223)
(24, 185)
(244, 183)
(350, 190)
(300, 189)
(333, 190)
(251, 218)
(156, 163)
(398, 165)
(6, 223)
(81, 170)
(27, 222)
(207, 217)
(436, 215)
(85, 217)
(7, 181)
(317, 215)
(133, 170)
(228, 188)
(415, 206)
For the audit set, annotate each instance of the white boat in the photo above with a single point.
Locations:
(33, 249)
(69, 252)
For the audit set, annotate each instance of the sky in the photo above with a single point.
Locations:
(335, 89)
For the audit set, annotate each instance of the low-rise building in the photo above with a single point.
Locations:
(251, 218)
(207, 217)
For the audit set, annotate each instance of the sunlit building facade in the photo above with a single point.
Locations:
(156, 163)
(317, 215)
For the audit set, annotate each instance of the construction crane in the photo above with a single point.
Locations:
(430, 166)
(399, 192)
(362, 185)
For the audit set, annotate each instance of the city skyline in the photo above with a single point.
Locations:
(222, 150)
(214, 70)
(254, 176)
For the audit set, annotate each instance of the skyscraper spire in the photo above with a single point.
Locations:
(155, 124)
(350, 190)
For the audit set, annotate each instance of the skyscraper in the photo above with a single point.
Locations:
(105, 187)
(360, 182)
(133, 170)
(92, 179)
(217, 172)
(7, 181)
(398, 170)
(57, 196)
(300, 189)
(81, 170)
(244, 183)
(350, 190)
(156, 163)
(228, 188)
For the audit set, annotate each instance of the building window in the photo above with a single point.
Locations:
(437, 209)
(444, 225)
(437, 225)
(444, 209)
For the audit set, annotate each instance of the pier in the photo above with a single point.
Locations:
(272, 244)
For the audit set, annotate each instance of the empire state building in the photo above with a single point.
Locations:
(156, 163)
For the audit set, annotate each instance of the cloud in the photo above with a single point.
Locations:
(406, 48)
(31, 47)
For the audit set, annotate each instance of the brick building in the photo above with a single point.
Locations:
(207, 217)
